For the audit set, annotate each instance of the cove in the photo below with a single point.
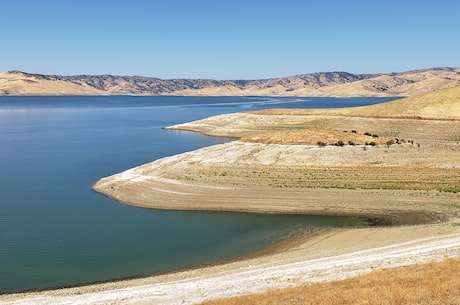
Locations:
(55, 231)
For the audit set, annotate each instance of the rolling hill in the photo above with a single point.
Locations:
(439, 104)
(444, 104)
(313, 84)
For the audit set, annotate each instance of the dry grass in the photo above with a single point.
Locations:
(442, 104)
(317, 136)
(432, 283)
(394, 178)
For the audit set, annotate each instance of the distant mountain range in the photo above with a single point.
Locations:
(314, 84)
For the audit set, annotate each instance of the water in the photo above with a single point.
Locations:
(55, 231)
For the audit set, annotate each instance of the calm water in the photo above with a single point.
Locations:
(55, 231)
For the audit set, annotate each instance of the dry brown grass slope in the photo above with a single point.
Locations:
(432, 283)
(313, 84)
(394, 84)
(17, 83)
(397, 84)
(440, 104)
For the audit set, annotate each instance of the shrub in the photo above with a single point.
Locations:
(321, 144)
(390, 142)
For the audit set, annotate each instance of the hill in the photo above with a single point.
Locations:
(313, 84)
(20, 83)
(440, 104)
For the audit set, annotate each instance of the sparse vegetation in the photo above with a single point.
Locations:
(431, 283)
(388, 178)
(392, 134)
(450, 190)
(295, 135)
(453, 138)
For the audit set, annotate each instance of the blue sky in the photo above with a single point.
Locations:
(231, 39)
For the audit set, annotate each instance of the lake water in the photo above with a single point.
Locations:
(55, 231)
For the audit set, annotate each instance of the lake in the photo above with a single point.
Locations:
(55, 231)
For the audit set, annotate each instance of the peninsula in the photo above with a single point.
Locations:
(395, 161)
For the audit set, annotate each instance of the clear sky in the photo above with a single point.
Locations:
(227, 39)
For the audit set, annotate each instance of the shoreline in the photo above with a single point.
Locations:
(413, 188)
(279, 179)
(324, 257)
(276, 247)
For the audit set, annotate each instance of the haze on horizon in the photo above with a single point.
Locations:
(227, 40)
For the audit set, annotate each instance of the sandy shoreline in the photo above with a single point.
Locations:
(330, 256)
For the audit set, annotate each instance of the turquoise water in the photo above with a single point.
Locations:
(55, 231)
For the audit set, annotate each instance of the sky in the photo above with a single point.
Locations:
(227, 39)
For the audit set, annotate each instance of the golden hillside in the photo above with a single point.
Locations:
(408, 83)
(441, 104)
(18, 83)
(322, 84)
(398, 84)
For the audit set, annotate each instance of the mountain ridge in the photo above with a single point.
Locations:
(336, 83)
